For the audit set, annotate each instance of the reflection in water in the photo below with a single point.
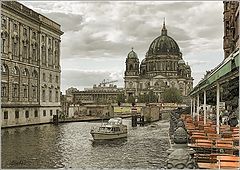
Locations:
(71, 146)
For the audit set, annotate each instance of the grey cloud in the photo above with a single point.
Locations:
(88, 78)
(103, 30)
(69, 22)
(196, 62)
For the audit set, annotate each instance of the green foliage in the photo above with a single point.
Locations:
(148, 98)
(121, 98)
(131, 99)
(172, 95)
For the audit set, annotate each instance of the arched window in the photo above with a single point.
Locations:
(34, 92)
(44, 61)
(43, 95)
(4, 69)
(50, 78)
(25, 91)
(15, 70)
(50, 95)
(130, 67)
(25, 72)
(130, 84)
(56, 96)
(34, 52)
(35, 74)
(44, 77)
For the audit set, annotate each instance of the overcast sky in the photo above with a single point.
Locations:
(98, 35)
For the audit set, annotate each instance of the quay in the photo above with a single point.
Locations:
(86, 119)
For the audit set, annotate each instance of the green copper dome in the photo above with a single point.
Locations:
(164, 44)
(132, 55)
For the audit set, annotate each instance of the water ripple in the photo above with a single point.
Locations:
(71, 146)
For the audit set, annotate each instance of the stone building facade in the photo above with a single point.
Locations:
(30, 66)
(162, 67)
(97, 94)
(231, 19)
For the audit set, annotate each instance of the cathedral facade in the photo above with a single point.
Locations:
(162, 67)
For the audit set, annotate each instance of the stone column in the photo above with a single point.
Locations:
(204, 105)
(198, 106)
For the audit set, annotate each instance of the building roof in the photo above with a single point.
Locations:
(225, 67)
(164, 44)
(132, 55)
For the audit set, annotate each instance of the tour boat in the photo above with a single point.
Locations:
(114, 129)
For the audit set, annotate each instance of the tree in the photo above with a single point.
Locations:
(120, 98)
(150, 97)
(172, 95)
(131, 99)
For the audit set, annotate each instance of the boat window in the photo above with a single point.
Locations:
(117, 129)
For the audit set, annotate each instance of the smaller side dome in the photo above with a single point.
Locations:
(181, 61)
(143, 62)
(132, 55)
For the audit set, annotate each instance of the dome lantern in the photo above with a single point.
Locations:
(164, 30)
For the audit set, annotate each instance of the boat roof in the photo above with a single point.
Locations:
(117, 120)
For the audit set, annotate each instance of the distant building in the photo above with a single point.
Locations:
(162, 67)
(231, 27)
(30, 66)
(98, 94)
(92, 110)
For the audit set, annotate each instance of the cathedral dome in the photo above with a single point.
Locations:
(164, 44)
(132, 55)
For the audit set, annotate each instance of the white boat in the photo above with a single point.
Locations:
(114, 129)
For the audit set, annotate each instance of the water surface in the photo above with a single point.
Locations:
(70, 145)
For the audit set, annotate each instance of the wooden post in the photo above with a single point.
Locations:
(194, 108)
(191, 107)
(198, 106)
(218, 100)
(204, 105)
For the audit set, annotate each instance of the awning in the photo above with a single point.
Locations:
(218, 72)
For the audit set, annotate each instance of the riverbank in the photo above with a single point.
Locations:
(88, 119)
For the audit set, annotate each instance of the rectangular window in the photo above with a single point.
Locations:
(43, 95)
(36, 113)
(34, 92)
(44, 112)
(3, 90)
(50, 95)
(15, 90)
(44, 77)
(56, 79)
(56, 96)
(27, 114)
(16, 114)
(51, 112)
(25, 92)
(6, 115)
(50, 78)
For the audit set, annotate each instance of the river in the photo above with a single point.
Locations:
(70, 145)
